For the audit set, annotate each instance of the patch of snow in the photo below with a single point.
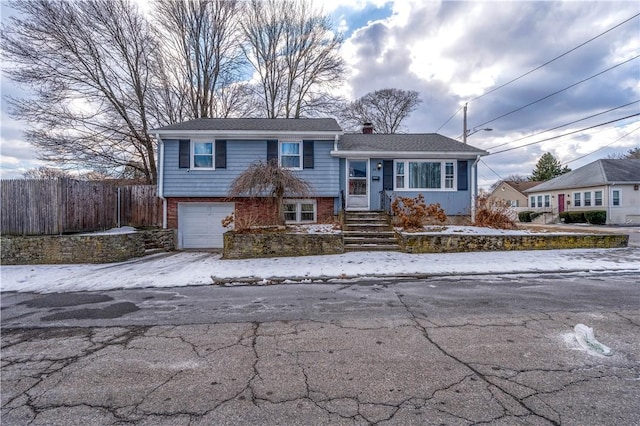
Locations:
(586, 339)
(203, 268)
(476, 230)
(112, 231)
(314, 229)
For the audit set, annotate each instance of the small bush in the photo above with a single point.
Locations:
(577, 217)
(596, 217)
(413, 213)
(494, 213)
(534, 215)
(565, 217)
(525, 216)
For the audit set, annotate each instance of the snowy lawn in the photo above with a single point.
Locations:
(200, 268)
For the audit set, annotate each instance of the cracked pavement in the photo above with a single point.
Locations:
(429, 352)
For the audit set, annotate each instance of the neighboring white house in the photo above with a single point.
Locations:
(607, 184)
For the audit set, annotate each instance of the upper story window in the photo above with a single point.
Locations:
(290, 155)
(202, 155)
(416, 175)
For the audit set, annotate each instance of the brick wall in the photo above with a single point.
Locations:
(257, 211)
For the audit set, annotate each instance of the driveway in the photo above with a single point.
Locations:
(461, 351)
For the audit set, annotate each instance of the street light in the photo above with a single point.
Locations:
(465, 131)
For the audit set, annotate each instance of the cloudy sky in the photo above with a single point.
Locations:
(455, 52)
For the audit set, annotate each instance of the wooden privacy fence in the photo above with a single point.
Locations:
(50, 207)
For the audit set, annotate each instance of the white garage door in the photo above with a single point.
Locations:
(199, 224)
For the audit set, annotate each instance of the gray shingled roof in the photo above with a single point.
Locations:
(256, 124)
(405, 142)
(600, 172)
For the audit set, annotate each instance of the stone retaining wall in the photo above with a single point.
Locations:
(99, 248)
(277, 244)
(421, 243)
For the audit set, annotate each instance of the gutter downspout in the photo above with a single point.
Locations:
(335, 143)
(161, 180)
(474, 189)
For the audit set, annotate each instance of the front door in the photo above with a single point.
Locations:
(560, 203)
(357, 185)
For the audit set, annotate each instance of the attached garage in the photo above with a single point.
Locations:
(200, 224)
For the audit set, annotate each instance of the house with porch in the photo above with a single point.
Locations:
(198, 160)
(607, 184)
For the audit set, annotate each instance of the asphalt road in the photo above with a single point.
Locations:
(456, 351)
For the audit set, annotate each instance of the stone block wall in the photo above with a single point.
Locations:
(274, 244)
(69, 249)
(437, 243)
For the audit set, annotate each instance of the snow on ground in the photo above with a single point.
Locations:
(203, 268)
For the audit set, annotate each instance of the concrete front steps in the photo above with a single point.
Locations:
(368, 231)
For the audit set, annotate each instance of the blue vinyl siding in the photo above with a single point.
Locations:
(323, 178)
(456, 202)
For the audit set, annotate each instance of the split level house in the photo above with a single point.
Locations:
(199, 159)
(608, 184)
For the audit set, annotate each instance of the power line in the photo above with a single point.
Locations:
(543, 65)
(563, 125)
(565, 134)
(603, 147)
(494, 172)
(449, 119)
(558, 91)
(554, 59)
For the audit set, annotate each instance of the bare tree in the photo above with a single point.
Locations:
(633, 153)
(386, 109)
(201, 48)
(262, 178)
(91, 67)
(294, 51)
(44, 172)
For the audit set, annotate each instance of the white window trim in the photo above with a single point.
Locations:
(619, 198)
(443, 167)
(298, 203)
(573, 199)
(192, 165)
(595, 202)
(300, 153)
(584, 199)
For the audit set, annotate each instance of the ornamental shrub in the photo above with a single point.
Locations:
(494, 213)
(596, 217)
(577, 217)
(414, 213)
(525, 216)
(565, 217)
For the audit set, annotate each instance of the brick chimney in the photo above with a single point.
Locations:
(367, 128)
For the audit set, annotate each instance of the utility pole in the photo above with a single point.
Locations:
(464, 125)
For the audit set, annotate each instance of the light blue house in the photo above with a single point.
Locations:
(198, 160)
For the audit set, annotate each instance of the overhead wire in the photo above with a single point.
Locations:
(541, 66)
(603, 147)
(565, 134)
(558, 91)
(556, 58)
(563, 125)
